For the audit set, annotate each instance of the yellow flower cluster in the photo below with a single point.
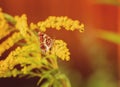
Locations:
(9, 42)
(3, 68)
(3, 22)
(21, 24)
(8, 64)
(60, 50)
(3, 26)
(21, 55)
(58, 23)
(28, 54)
(28, 51)
(26, 32)
(27, 58)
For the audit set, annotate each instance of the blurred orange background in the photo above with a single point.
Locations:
(93, 14)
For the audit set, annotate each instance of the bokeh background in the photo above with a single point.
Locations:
(95, 53)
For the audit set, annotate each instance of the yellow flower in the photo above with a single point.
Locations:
(28, 55)
(42, 26)
(33, 26)
(60, 50)
(21, 55)
(21, 24)
(3, 26)
(3, 22)
(26, 31)
(59, 22)
(3, 66)
(8, 43)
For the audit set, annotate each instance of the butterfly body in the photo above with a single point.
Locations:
(46, 42)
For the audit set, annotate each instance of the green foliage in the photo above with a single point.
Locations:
(109, 36)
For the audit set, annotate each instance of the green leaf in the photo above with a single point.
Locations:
(109, 36)
(9, 18)
(46, 84)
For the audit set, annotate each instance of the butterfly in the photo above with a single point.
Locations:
(46, 42)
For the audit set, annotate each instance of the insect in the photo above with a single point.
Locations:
(46, 42)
